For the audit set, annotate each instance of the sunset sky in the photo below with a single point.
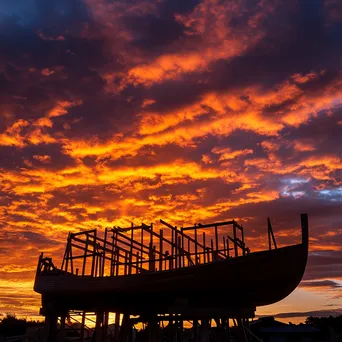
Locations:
(117, 111)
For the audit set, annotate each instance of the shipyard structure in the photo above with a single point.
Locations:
(196, 283)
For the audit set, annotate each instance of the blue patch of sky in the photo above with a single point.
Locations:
(24, 11)
(332, 194)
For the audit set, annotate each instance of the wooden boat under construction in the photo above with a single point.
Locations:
(188, 271)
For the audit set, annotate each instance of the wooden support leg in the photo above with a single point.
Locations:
(82, 326)
(195, 330)
(153, 330)
(242, 332)
(98, 326)
(105, 327)
(50, 329)
(117, 327)
(228, 330)
(125, 335)
(61, 335)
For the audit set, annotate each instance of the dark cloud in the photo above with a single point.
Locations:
(42, 156)
(320, 283)
(324, 264)
(317, 313)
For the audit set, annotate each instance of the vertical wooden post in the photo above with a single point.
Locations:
(71, 258)
(172, 250)
(67, 256)
(228, 248)
(183, 254)
(112, 266)
(141, 245)
(117, 262)
(130, 260)
(117, 326)
(82, 326)
(137, 263)
(195, 328)
(161, 250)
(243, 241)
(176, 248)
(98, 326)
(64, 256)
(151, 235)
(85, 255)
(204, 249)
(96, 261)
(50, 328)
(212, 250)
(180, 253)
(189, 251)
(125, 263)
(216, 239)
(94, 255)
(235, 244)
(105, 327)
(131, 251)
(224, 246)
(196, 247)
(270, 234)
(104, 253)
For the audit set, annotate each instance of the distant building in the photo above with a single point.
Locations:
(270, 330)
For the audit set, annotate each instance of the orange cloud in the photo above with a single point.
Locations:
(12, 135)
(61, 108)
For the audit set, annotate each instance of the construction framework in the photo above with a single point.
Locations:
(139, 249)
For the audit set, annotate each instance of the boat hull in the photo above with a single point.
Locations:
(257, 279)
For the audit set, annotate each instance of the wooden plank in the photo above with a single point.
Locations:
(91, 252)
(128, 242)
(210, 225)
(181, 232)
(270, 233)
(143, 225)
(65, 253)
(83, 232)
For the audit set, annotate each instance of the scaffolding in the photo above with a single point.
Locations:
(140, 249)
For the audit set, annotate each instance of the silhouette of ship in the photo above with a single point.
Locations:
(139, 271)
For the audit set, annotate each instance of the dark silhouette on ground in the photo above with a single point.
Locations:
(10, 325)
(328, 328)
(327, 325)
